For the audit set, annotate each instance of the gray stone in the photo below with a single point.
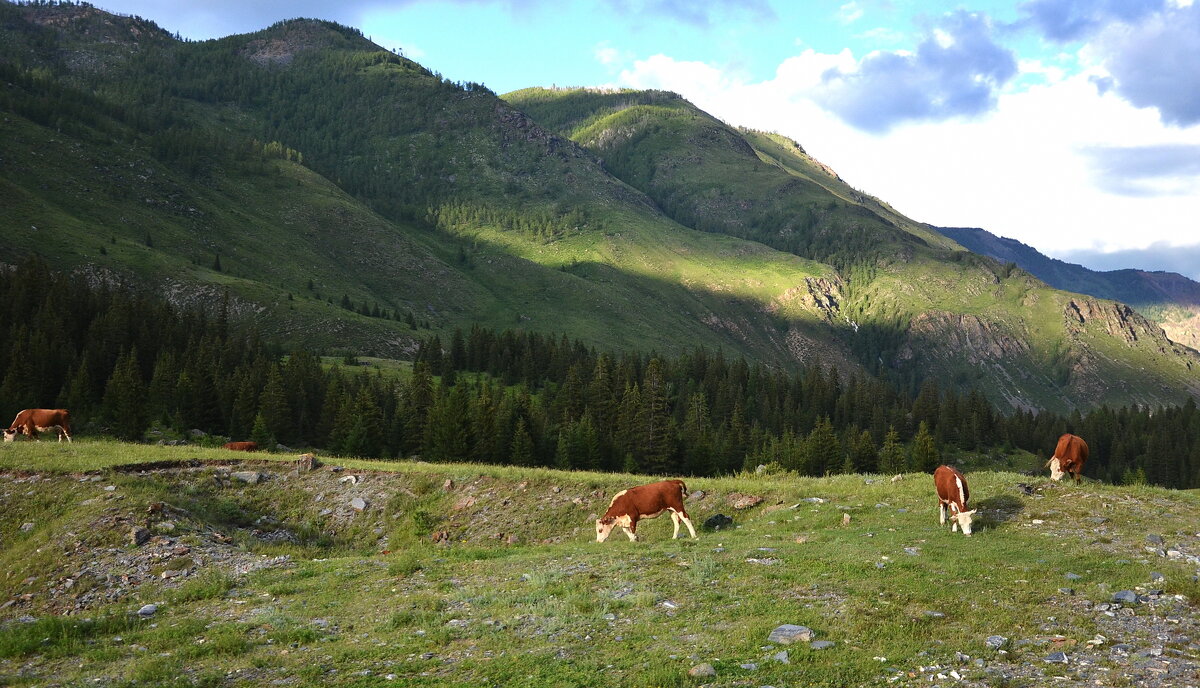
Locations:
(138, 536)
(26, 527)
(358, 504)
(1156, 576)
(749, 666)
(197, 433)
(717, 522)
(781, 657)
(995, 642)
(1125, 596)
(791, 633)
(705, 670)
(610, 617)
(1073, 577)
(935, 615)
(1154, 539)
(1121, 649)
(147, 610)
(741, 501)
(821, 644)
(251, 477)
(1067, 591)
(1057, 658)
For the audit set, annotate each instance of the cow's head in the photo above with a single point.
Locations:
(1055, 466)
(963, 519)
(604, 527)
(10, 435)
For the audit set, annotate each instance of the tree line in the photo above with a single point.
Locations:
(125, 362)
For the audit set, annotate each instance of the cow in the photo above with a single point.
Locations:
(241, 446)
(645, 501)
(952, 493)
(1069, 457)
(32, 421)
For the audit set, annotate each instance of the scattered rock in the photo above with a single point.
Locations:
(749, 666)
(138, 536)
(358, 504)
(1056, 658)
(995, 642)
(348, 480)
(307, 462)
(781, 657)
(1156, 576)
(512, 540)
(147, 610)
(1125, 597)
(813, 500)
(764, 562)
(1154, 539)
(448, 485)
(26, 527)
(697, 494)
(464, 503)
(1067, 591)
(740, 501)
(1073, 576)
(250, 477)
(912, 551)
(717, 521)
(791, 633)
(821, 644)
(705, 670)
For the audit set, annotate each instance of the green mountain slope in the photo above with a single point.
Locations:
(322, 172)
(913, 301)
(1168, 298)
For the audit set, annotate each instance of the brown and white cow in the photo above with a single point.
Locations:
(241, 446)
(645, 501)
(953, 495)
(32, 421)
(1069, 457)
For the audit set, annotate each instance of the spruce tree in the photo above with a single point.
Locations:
(891, 455)
(924, 455)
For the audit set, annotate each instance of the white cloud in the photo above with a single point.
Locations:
(849, 13)
(1027, 169)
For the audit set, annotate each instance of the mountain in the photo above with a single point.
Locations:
(1167, 298)
(342, 195)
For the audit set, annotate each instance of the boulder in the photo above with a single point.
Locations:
(705, 670)
(307, 462)
(138, 536)
(250, 477)
(358, 504)
(739, 501)
(1125, 597)
(791, 633)
(717, 522)
(147, 610)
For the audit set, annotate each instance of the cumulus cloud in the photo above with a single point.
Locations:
(1157, 63)
(956, 70)
(1068, 20)
(1158, 170)
(1158, 256)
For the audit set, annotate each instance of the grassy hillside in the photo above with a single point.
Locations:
(910, 301)
(469, 574)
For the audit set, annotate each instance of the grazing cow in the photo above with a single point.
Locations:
(240, 446)
(953, 493)
(32, 421)
(645, 501)
(1069, 457)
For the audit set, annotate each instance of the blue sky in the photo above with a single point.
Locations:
(1071, 125)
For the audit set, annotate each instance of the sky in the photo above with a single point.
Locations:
(1070, 125)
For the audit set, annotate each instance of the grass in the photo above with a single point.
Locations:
(558, 609)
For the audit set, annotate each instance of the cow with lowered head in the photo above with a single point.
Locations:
(952, 495)
(1069, 457)
(32, 421)
(645, 501)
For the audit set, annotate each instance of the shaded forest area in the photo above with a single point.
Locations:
(125, 362)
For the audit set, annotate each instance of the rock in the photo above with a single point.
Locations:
(348, 480)
(1056, 658)
(458, 623)
(764, 562)
(512, 540)
(448, 485)
(717, 521)
(358, 504)
(813, 500)
(307, 462)
(464, 503)
(740, 501)
(283, 448)
(26, 527)
(821, 644)
(697, 494)
(147, 610)
(1154, 539)
(781, 657)
(610, 617)
(898, 477)
(138, 536)
(705, 670)
(995, 642)
(912, 551)
(935, 615)
(1067, 591)
(250, 477)
(749, 666)
(197, 433)
(1073, 576)
(1156, 576)
(791, 633)
(1125, 596)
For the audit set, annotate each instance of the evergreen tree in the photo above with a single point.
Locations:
(124, 402)
(924, 455)
(891, 455)
(260, 433)
(521, 449)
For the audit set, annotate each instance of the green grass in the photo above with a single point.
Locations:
(559, 609)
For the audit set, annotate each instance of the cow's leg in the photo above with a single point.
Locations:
(941, 513)
(688, 522)
(631, 530)
(675, 523)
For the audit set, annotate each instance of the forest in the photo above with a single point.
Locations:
(131, 366)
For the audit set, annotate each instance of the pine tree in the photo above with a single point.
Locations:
(261, 434)
(521, 450)
(124, 399)
(891, 455)
(824, 449)
(924, 455)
